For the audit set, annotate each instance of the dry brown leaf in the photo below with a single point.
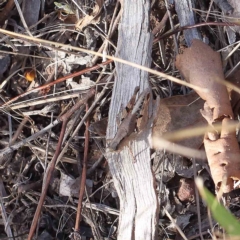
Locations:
(201, 66)
(91, 19)
(179, 112)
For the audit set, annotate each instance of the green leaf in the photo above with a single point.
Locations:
(228, 221)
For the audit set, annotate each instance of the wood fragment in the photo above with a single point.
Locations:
(134, 182)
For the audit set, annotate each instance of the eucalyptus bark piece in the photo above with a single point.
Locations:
(202, 66)
(223, 156)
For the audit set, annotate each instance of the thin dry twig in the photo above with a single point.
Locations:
(176, 226)
(197, 201)
(161, 25)
(86, 115)
(47, 85)
(209, 9)
(30, 103)
(161, 143)
(57, 45)
(64, 119)
(3, 209)
(22, 18)
(83, 176)
(180, 29)
(46, 182)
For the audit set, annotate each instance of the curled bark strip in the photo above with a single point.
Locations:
(223, 156)
(201, 66)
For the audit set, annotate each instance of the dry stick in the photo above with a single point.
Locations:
(110, 33)
(64, 119)
(19, 130)
(194, 26)
(86, 115)
(50, 169)
(161, 143)
(43, 101)
(84, 175)
(172, 27)
(209, 9)
(51, 153)
(47, 85)
(3, 210)
(23, 123)
(23, 31)
(197, 200)
(160, 25)
(138, 66)
(197, 131)
(25, 119)
(17, 145)
(6, 80)
(197, 235)
(231, 53)
(22, 17)
(175, 224)
(95, 165)
(8, 156)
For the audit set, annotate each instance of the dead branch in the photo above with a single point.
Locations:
(83, 176)
(130, 165)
